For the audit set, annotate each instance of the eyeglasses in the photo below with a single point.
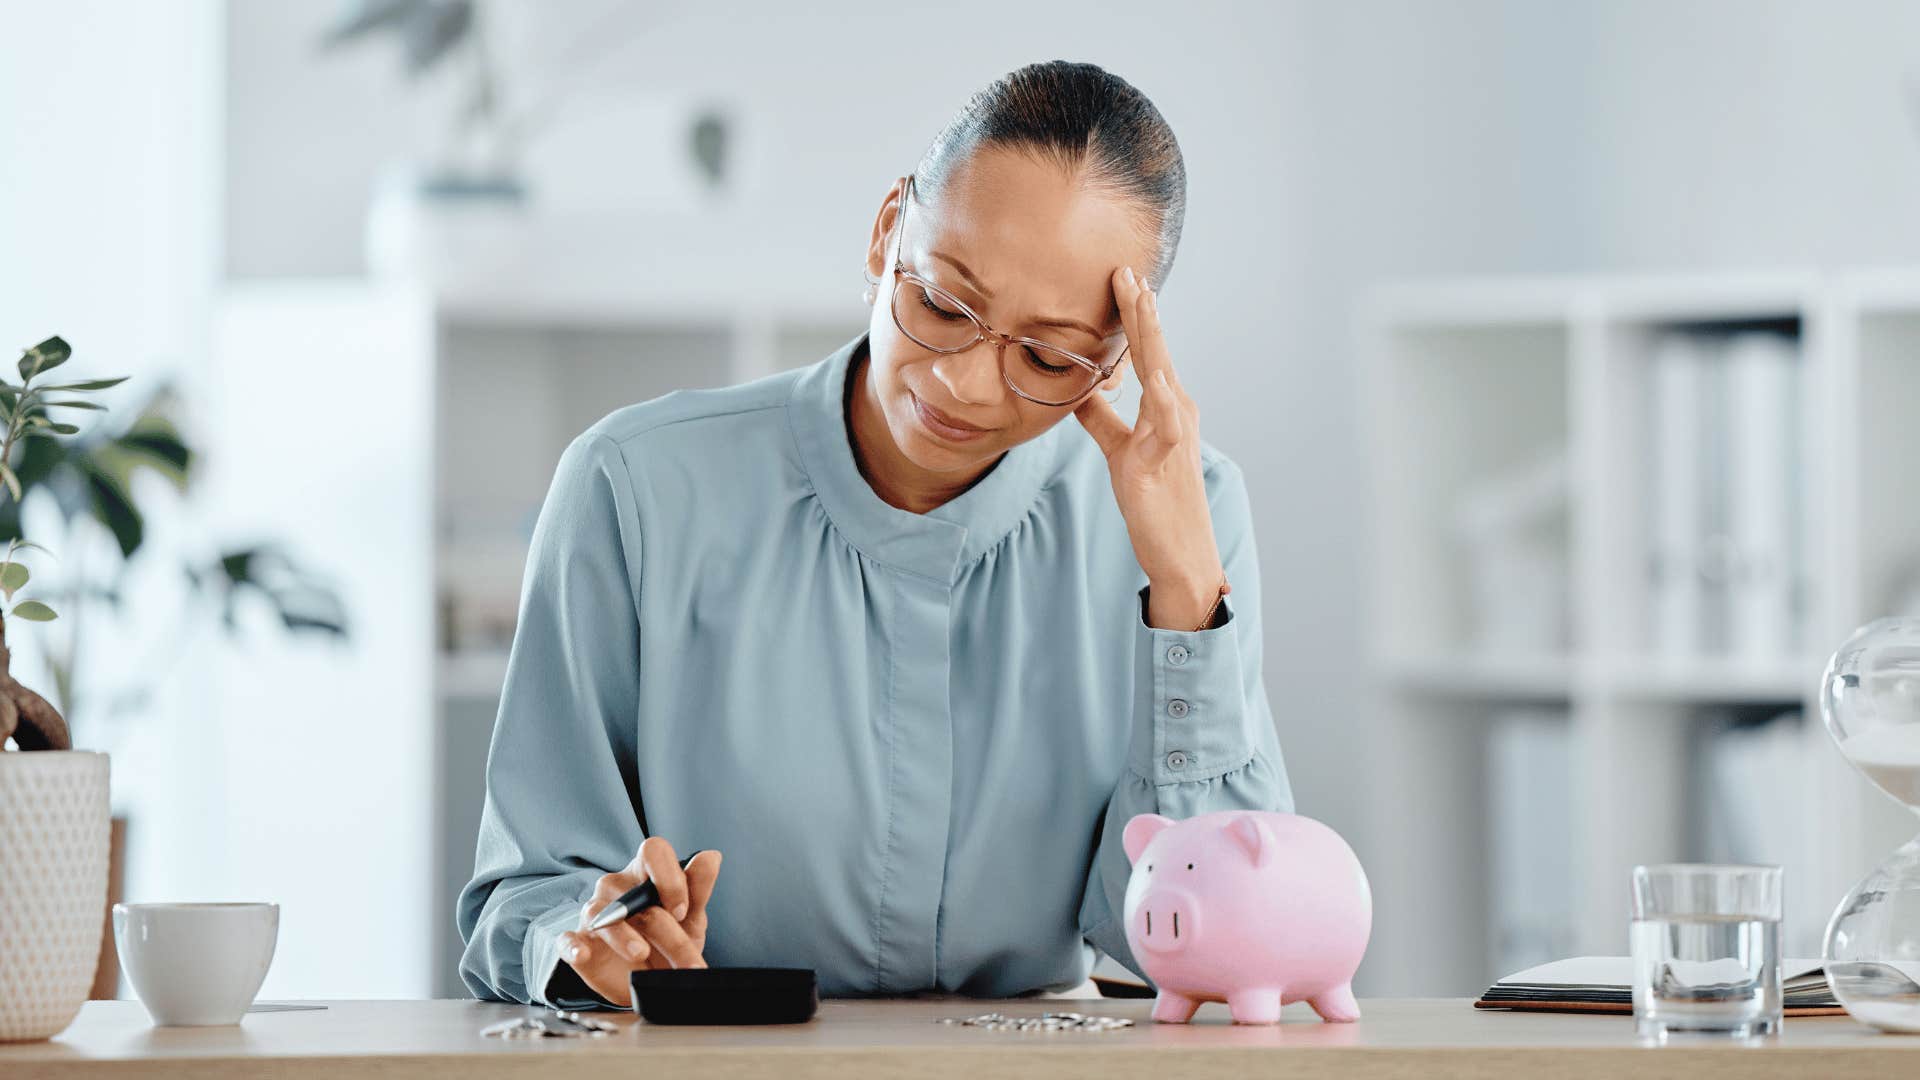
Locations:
(935, 319)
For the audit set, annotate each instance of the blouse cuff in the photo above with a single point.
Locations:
(1192, 723)
(549, 980)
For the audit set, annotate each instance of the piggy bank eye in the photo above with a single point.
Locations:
(1149, 868)
(1189, 866)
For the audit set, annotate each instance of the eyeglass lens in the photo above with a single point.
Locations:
(1040, 371)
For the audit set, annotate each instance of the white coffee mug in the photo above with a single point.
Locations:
(194, 964)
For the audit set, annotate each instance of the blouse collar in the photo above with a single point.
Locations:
(937, 544)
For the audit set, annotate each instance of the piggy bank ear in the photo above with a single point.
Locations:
(1252, 835)
(1140, 829)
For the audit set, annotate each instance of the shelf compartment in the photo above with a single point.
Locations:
(1683, 497)
(1885, 511)
(1460, 409)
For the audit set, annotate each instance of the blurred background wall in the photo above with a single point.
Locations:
(190, 155)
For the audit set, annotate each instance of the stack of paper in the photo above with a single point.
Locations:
(1605, 984)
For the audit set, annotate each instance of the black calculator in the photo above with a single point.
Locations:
(726, 995)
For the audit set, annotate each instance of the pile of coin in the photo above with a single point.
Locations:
(1049, 1021)
(558, 1023)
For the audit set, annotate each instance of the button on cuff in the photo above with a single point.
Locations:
(1192, 723)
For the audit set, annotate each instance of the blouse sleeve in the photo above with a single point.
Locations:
(562, 800)
(1203, 737)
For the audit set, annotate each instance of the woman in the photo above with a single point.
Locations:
(887, 631)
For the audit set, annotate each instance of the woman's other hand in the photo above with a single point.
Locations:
(1155, 468)
(670, 934)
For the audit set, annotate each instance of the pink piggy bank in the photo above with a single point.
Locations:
(1252, 908)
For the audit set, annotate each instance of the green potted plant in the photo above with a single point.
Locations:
(54, 801)
(54, 806)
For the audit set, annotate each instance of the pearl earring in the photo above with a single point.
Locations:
(867, 296)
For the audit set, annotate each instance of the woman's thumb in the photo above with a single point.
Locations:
(1103, 422)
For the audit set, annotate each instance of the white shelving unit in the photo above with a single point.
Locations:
(508, 373)
(1465, 378)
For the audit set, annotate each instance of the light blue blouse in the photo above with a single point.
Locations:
(916, 738)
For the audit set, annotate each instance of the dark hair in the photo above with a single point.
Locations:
(1089, 121)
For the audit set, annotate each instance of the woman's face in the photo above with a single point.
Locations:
(1035, 245)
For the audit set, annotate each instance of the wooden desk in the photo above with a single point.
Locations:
(1401, 1039)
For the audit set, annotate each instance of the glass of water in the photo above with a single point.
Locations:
(1706, 949)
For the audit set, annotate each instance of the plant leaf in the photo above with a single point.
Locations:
(12, 481)
(77, 404)
(33, 611)
(238, 565)
(53, 352)
(367, 16)
(112, 508)
(90, 384)
(12, 576)
(20, 544)
(64, 429)
(162, 446)
(45, 356)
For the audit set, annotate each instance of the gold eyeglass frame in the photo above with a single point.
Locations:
(980, 328)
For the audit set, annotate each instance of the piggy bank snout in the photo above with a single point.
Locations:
(1167, 920)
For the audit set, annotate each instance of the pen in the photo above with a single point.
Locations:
(634, 900)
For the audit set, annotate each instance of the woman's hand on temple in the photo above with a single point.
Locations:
(1155, 468)
(670, 934)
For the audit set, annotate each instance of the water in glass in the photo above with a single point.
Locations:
(1706, 972)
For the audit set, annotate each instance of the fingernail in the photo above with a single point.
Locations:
(573, 953)
(1153, 300)
(680, 911)
(1127, 273)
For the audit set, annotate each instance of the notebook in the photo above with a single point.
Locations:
(1603, 984)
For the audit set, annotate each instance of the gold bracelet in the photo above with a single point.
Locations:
(1208, 620)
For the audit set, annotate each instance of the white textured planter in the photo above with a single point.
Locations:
(54, 828)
